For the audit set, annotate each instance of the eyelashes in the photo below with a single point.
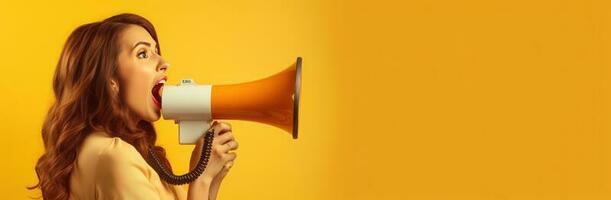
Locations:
(143, 54)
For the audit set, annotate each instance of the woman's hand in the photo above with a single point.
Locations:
(221, 157)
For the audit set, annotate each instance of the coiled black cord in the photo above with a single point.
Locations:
(169, 177)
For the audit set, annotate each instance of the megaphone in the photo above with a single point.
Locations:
(273, 100)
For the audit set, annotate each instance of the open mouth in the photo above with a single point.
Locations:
(156, 91)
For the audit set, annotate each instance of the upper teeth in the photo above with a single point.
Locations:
(162, 81)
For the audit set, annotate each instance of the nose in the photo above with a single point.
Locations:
(163, 65)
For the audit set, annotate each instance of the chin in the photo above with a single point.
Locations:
(152, 114)
(153, 117)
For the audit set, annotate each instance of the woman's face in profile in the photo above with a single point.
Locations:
(141, 70)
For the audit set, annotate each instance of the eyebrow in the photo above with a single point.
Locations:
(141, 43)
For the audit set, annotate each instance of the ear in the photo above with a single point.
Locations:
(114, 85)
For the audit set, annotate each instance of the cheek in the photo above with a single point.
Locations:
(136, 82)
(136, 89)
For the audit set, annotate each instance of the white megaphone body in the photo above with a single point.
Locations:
(273, 100)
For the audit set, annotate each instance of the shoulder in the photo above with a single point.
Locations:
(100, 145)
(118, 170)
(112, 155)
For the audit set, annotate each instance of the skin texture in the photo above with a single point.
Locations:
(140, 68)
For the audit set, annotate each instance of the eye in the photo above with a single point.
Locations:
(142, 55)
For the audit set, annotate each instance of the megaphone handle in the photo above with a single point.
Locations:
(169, 177)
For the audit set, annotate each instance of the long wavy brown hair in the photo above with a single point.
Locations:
(85, 102)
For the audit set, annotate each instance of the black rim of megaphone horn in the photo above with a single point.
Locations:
(296, 97)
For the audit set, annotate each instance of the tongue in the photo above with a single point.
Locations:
(157, 92)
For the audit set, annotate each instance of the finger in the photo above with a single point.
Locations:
(229, 165)
(221, 127)
(229, 156)
(228, 146)
(232, 144)
(212, 126)
(222, 139)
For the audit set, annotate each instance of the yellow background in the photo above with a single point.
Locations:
(472, 99)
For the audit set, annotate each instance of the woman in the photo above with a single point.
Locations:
(98, 132)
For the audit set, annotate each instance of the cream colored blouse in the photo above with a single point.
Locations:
(110, 168)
